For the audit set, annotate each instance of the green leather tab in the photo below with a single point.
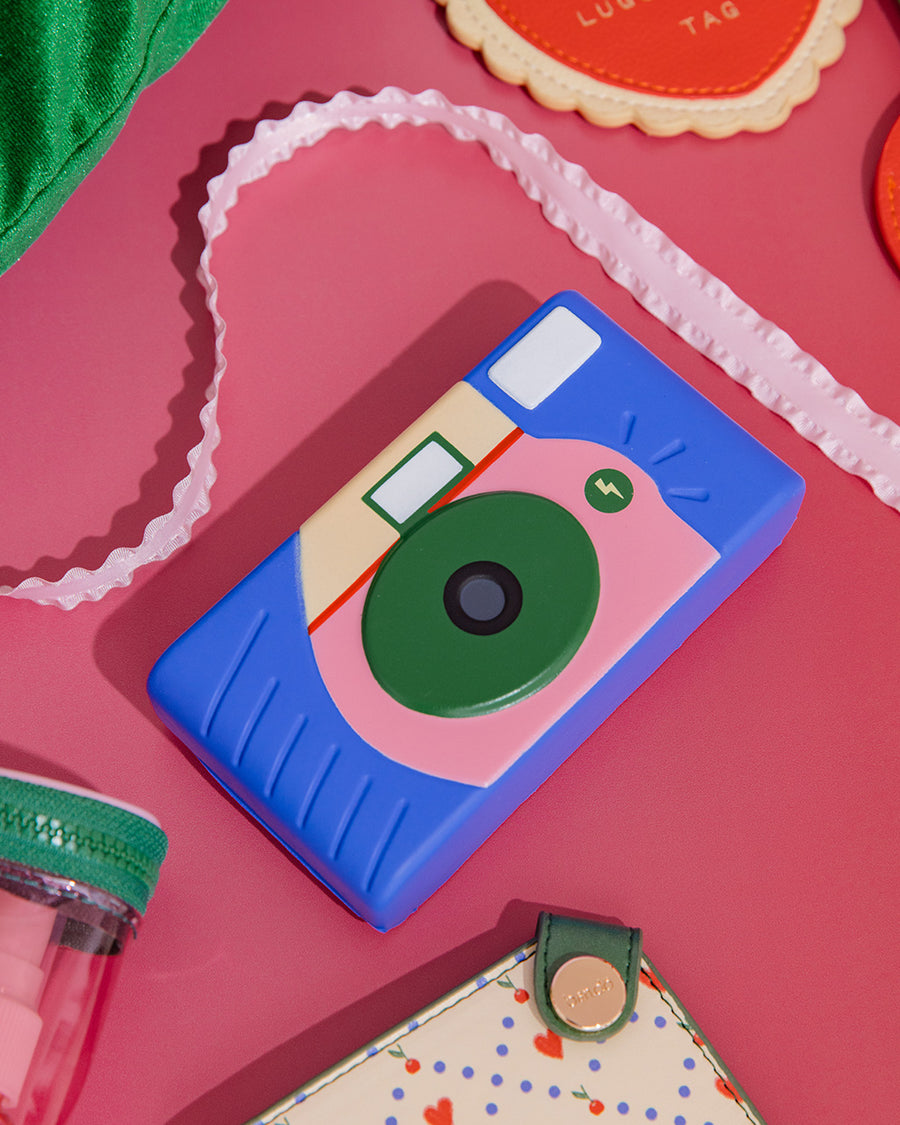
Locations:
(559, 941)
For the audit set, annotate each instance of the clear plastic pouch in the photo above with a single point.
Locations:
(76, 872)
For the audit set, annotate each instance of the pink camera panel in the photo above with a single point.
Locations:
(635, 591)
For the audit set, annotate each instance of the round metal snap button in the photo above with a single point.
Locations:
(588, 993)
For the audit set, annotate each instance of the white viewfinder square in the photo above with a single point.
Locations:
(543, 359)
(424, 476)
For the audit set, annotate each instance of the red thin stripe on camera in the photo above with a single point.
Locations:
(347, 594)
(483, 464)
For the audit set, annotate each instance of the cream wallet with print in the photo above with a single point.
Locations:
(573, 1026)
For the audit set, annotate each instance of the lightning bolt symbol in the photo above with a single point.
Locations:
(606, 489)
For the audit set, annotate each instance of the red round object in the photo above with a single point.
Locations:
(887, 192)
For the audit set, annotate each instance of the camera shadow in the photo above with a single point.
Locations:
(275, 1075)
(24, 761)
(226, 546)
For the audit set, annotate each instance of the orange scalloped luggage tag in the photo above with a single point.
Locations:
(714, 67)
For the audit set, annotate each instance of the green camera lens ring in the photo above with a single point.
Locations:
(431, 665)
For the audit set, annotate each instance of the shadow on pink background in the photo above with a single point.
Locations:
(740, 807)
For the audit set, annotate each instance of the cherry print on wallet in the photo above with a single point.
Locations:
(595, 1105)
(520, 995)
(411, 1065)
(648, 978)
(549, 1044)
(727, 1089)
(440, 1114)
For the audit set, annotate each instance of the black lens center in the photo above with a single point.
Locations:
(482, 598)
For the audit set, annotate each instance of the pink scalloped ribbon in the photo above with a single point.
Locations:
(637, 255)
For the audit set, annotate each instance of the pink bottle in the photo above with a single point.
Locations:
(76, 873)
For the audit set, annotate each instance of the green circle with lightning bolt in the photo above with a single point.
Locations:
(608, 490)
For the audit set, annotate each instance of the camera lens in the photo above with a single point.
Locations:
(482, 598)
(522, 593)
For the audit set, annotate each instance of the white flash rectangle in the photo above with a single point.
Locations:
(539, 363)
(420, 479)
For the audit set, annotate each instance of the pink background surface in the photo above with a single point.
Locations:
(741, 806)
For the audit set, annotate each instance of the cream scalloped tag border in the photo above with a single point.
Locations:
(557, 86)
(635, 254)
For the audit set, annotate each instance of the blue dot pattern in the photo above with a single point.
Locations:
(520, 1071)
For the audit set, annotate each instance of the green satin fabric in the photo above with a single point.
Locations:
(70, 71)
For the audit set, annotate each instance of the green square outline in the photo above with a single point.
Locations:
(448, 447)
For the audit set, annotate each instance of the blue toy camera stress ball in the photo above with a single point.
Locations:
(387, 686)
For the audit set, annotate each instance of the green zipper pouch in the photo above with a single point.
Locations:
(70, 71)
